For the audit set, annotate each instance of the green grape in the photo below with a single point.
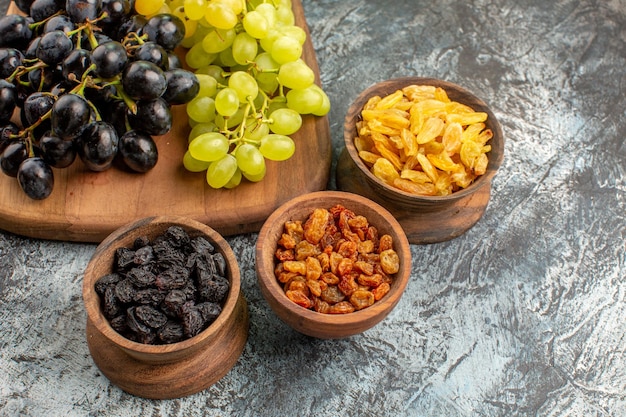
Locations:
(229, 122)
(190, 25)
(199, 129)
(268, 41)
(284, 15)
(235, 180)
(296, 75)
(192, 164)
(266, 72)
(304, 101)
(295, 32)
(277, 147)
(244, 85)
(194, 9)
(214, 71)
(277, 103)
(226, 59)
(285, 121)
(226, 102)
(255, 129)
(218, 39)
(286, 49)
(208, 85)
(148, 7)
(220, 16)
(249, 159)
(220, 172)
(268, 11)
(245, 48)
(235, 5)
(255, 178)
(324, 108)
(197, 57)
(201, 109)
(255, 24)
(209, 147)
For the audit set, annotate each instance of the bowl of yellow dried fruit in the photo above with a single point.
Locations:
(332, 264)
(421, 145)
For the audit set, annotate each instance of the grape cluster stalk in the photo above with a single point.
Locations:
(255, 87)
(90, 79)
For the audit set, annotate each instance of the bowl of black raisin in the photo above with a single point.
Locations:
(166, 317)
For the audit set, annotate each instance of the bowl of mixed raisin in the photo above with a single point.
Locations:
(165, 314)
(421, 143)
(332, 264)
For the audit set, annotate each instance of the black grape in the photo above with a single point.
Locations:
(57, 152)
(12, 156)
(165, 29)
(35, 178)
(153, 117)
(8, 100)
(6, 132)
(152, 52)
(143, 80)
(75, 64)
(10, 60)
(15, 31)
(182, 86)
(97, 145)
(81, 10)
(109, 58)
(138, 151)
(54, 47)
(70, 113)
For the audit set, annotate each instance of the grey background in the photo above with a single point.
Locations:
(524, 315)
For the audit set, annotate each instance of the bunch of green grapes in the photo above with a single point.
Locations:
(254, 85)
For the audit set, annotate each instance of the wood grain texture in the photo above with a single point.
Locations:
(309, 322)
(87, 206)
(170, 370)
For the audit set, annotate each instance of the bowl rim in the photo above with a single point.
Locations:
(354, 114)
(379, 308)
(91, 299)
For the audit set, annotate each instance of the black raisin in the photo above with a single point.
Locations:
(124, 259)
(172, 278)
(214, 289)
(173, 302)
(210, 311)
(150, 316)
(108, 280)
(125, 291)
(193, 323)
(201, 245)
(167, 255)
(177, 236)
(171, 332)
(220, 263)
(111, 306)
(141, 277)
(136, 326)
(149, 296)
(140, 242)
(144, 255)
(119, 324)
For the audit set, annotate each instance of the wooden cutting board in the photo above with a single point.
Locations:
(87, 206)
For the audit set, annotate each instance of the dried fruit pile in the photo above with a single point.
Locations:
(91, 79)
(335, 262)
(164, 291)
(419, 141)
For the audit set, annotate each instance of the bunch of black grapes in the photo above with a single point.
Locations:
(90, 79)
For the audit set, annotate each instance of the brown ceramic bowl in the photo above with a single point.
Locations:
(309, 322)
(396, 197)
(166, 370)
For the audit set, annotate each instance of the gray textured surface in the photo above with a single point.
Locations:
(524, 315)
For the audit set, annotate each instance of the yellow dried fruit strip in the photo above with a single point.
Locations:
(415, 188)
(369, 157)
(419, 177)
(467, 118)
(393, 118)
(433, 127)
(385, 171)
(389, 101)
